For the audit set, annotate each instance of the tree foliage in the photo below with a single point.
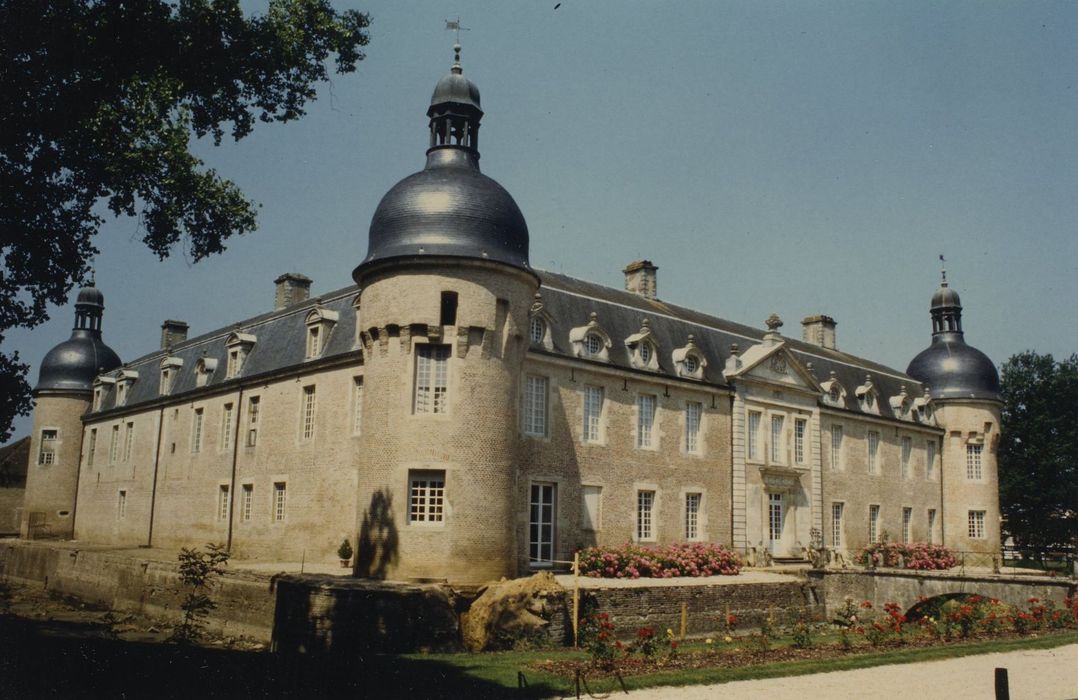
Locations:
(1038, 451)
(99, 103)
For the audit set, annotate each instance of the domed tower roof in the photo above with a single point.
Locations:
(72, 365)
(449, 209)
(949, 367)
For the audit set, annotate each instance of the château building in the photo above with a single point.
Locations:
(459, 415)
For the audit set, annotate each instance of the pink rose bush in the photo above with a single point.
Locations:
(915, 555)
(659, 561)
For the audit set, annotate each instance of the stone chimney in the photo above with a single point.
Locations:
(819, 330)
(173, 333)
(292, 288)
(640, 278)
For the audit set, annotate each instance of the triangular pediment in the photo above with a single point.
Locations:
(775, 364)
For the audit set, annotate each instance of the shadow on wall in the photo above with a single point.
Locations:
(377, 544)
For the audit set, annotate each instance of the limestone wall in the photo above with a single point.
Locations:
(966, 423)
(50, 488)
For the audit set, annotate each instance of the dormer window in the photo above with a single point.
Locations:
(689, 362)
(204, 369)
(642, 349)
(537, 330)
(101, 388)
(320, 323)
(834, 393)
(170, 369)
(901, 405)
(867, 398)
(239, 346)
(590, 341)
(124, 380)
(593, 343)
(314, 344)
(646, 352)
(99, 396)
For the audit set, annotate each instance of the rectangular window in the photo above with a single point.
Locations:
(449, 309)
(693, 410)
(129, 440)
(907, 518)
(313, 341)
(777, 451)
(431, 378)
(645, 420)
(47, 452)
(930, 459)
(799, 440)
(837, 524)
(233, 363)
(426, 497)
(906, 451)
(535, 392)
(279, 495)
(166, 381)
(873, 523)
(774, 517)
(593, 412)
(308, 412)
(248, 501)
(222, 502)
(357, 406)
(253, 405)
(542, 509)
(836, 448)
(976, 524)
(973, 463)
(931, 525)
(196, 431)
(226, 426)
(121, 393)
(91, 447)
(591, 512)
(873, 452)
(121, 505)
(645, 504)
(752, 437)
(114, 444)
(692, 515)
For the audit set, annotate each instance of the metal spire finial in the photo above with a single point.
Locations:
(454, 25)
(943, 271)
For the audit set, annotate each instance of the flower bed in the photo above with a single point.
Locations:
(660, 561)
(908, 555)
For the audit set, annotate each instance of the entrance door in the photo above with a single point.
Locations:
(776, 516)
(541, 525)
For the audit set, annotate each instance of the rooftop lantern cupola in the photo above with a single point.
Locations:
(89, 308)
(946, 310)
(455, 110)
(72, 365)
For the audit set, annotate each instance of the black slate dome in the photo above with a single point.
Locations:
(73, 364)
(949, 367)
(450, 208)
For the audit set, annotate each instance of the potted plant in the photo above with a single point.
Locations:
(345, 553)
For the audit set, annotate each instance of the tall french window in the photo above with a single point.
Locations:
(836, 447)
(222, 502)
(253, 405)
(129, 440)
(114, 443)
(542, 509)
(905, 452)
(800, 424)
(121, 505)
(931, 525)
(535, 393)
(693, 409)
(196, 430)
(431, 378)
(279, 495)
(645, 505)
(248, 501)
(930, 459)
(873, 523)
(91, 447)
(645, 420)
(907, 519)
(593, 413)
(692, 515)
(873, 453)
(974, 471)
(357, 406)
(778, 454)
(226, 426)
(836, 524)
(309, 398)
(752, 435)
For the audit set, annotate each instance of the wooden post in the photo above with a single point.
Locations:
(576, 601)
(1003, 687)
(684, 619)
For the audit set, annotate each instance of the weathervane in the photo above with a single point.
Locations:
(943, 269)
(454, 24)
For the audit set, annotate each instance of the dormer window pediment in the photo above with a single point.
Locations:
(922, 409)
(170, 369)
(689, 362)
(834, 394)
(590, 341)
(868, 398)
(238, 346)
(125, 378)
(204, 369)
(643, 350)
(539, 325)
(901, 405)
(101, 387)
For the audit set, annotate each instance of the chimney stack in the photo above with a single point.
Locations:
(640, 279)
(819, 330)
(292, 288)
(172, 333)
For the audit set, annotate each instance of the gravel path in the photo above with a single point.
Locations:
(1048, 674)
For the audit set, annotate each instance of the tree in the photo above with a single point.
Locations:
(1038, 451)
(99, 102)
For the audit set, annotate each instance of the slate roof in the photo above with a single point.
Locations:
(568, 303)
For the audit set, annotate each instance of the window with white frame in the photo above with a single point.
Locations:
(905, 452)
(222, 502)
(591, 512)
(778, 452)
(314, 341)
(930, 459)
(873, 452)
(800, 425)
(91, 447)
(873, 523)
(47, 450)
(836, 448)
(692, 515)
(752, 435)
(129, 440)
(535, 398)
(693, 410)
(235, 363)
(280, 495)
(536, 330)
(254, 404)
(976, 524)
(226, 426)
(121, 505)
(931, 525)
(309, 399)
(593, 413)
(431, 378)
(542, 516)
(357, 405)
(593, 344)
(645, 507)
(974, 470)
(837, 511)
(645, 420)
(114, 444)
(426, 497)
(248, 501)
(121, 393)
(907, 520)
(166, 380)
(196, 431)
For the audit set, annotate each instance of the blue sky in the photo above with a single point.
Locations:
(791, 157)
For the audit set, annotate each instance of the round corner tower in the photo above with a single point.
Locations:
(62, 396)
(965, 392)
(446, 288)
